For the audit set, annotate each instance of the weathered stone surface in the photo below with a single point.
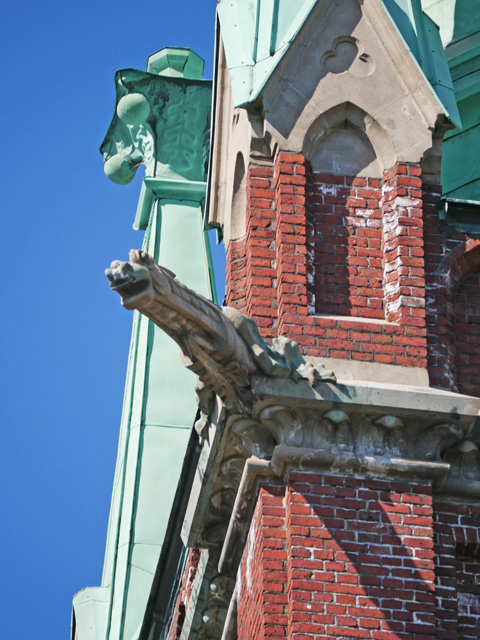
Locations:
(221, 345)
(267, 411)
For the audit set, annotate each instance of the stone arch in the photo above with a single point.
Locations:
(345, 140)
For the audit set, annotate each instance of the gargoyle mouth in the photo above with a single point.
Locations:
(128, 287)
(129, 281)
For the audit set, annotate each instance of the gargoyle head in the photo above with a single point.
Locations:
(138, 281)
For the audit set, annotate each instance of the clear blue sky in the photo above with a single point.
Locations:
(64, 336)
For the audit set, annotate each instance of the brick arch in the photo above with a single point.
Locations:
(466, 320)
(460, 263)
(458, 273)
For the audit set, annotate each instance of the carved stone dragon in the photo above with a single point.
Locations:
(220, 344)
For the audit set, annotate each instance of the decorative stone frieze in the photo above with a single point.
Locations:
(348, 430)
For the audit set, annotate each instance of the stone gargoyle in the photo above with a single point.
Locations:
(220, 344)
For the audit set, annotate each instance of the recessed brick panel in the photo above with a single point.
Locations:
(346, 245)
(367, 337)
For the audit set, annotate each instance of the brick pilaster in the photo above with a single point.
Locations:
(404, 266)
(261, 297)
(261, 591)
(291, 246)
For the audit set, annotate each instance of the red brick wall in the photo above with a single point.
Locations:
(452, 259)
(457, 545)
(291, 246)
(261, 582)
(236, 275)
(251, 260)
(285, 243)
(402, 207)
(184, 594)
(468, 591)
(350, 275)
(467, 335)
(359, 561)
(260, 250)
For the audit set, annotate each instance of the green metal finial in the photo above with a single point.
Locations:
(161, 119)
(176, 62)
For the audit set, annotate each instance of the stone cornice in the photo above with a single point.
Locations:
(360, 429)
(357, 428)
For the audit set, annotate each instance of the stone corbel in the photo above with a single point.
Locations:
(464, 477)
(261, 139)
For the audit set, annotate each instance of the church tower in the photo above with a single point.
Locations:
(347, 509)
(336, 493)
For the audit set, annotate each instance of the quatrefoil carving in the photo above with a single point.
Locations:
(347, 54)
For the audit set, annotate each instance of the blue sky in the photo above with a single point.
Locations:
(65, 337)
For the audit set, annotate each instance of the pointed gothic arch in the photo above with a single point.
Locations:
(346, 140)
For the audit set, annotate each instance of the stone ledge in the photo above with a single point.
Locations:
(349, 370)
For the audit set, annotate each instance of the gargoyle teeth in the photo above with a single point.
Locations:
(129, 287)
(118, 283)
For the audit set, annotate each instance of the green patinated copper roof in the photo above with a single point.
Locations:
(455, 18)
(459, 22)
(257, 34)
(422, 37)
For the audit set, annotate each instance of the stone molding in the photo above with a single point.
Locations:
(354, 429)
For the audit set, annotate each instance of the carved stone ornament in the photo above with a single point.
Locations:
(220, 344)
(266, 410)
